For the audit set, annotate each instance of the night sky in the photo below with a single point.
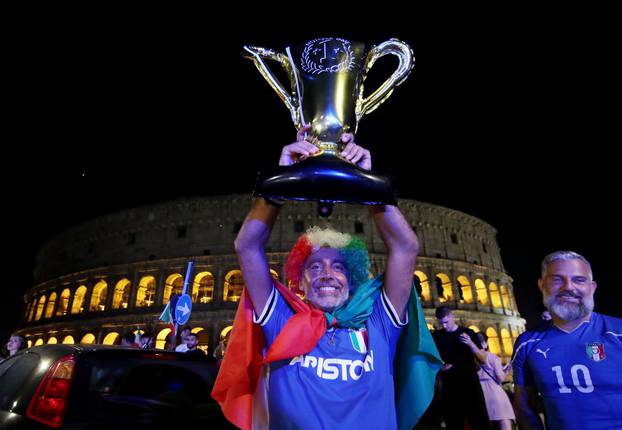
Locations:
(512, 122)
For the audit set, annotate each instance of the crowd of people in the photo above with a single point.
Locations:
(187, 342)
(356, 352)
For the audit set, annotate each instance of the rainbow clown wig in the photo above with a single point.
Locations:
(351, 248)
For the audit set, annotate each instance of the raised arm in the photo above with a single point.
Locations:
(398, 237)
(479, 354)
(250, 245)
(255, 232)
(402, 246)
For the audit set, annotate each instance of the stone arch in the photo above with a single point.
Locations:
(111, 338)
(31, 312)
(40, 306)
(234, 284)
(63, 303)
(493, 341)
(49, 309)
(505, 298)
(203, 288)
(39, 342)
(88, 339)
(444, 285)
(506, 340)
(121, 295)
(495, 298)
(52, 340)
(78, 300)
(425, 285)
(98, 297)
(163, 339)
(174, 284)
(465, 288)
(474, 328)
(145, 294)
(482, 293)
(225, 331)
(68, 340)
(28, 304)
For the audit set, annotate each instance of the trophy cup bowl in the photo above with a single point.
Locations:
(326, 90)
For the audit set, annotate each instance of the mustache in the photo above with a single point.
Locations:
(569, 294)
(333, 284)
(326, 281)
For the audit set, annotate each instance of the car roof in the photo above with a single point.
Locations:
(59, 350)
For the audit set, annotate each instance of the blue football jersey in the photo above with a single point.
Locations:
(578, 374)
(346, 382)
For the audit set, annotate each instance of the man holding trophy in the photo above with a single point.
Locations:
(327, 361)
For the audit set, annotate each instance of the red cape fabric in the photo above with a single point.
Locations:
(240, 369)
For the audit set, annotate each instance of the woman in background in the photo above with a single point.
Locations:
(15, 343)
(491, 376)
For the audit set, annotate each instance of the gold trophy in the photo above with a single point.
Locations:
(326, 90)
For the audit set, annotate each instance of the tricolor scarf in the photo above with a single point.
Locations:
(416, 361)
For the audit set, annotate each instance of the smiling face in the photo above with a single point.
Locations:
(325, 279)
(568, 290)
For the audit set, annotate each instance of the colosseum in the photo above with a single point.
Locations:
(116, 273)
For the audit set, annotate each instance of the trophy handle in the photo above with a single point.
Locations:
(258, 54)
(406, 62)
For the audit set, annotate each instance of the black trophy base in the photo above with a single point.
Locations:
(327, 179)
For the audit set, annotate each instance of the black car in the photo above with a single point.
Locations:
(96, 386)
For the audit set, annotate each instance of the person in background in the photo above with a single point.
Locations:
(491, 377)
(575, 362)
(183, 334)
(14, 344)
(129, 339)
(146, 340)
(461, 396)
(192, 342)
(221, 349)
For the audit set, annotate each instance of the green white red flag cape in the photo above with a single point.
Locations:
(416, 360)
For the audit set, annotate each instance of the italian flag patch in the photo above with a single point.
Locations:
(359, 339)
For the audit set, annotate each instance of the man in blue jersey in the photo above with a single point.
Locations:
(346, 380)
(575, 363)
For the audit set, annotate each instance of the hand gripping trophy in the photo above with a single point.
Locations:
(326, 81)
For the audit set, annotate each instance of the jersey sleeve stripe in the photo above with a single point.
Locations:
(519, 347)
(267, 311)
(390, 310)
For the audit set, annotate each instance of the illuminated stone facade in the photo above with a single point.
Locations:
(115, 273)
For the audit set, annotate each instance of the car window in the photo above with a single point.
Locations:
(14, 372)
(150, 379)
(164, 382)
(6, 363)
